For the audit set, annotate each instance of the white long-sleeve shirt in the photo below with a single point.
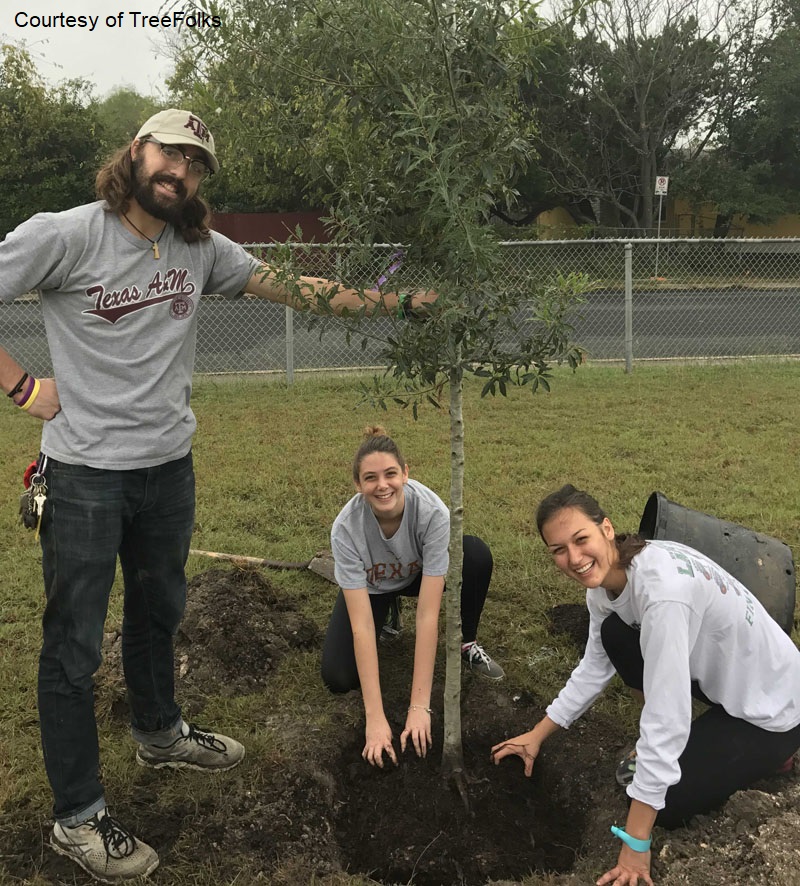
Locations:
(698, 623)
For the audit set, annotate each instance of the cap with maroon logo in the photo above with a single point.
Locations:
(174, 127)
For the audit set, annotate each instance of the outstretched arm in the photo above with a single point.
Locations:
(267, 282)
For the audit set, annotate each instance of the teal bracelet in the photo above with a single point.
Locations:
(636, 845)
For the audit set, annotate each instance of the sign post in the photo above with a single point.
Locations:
(662, 186)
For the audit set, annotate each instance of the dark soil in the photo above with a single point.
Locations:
(324, 813)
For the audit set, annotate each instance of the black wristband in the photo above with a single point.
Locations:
(18, 386)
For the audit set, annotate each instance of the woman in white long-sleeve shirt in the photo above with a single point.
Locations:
(674, 625)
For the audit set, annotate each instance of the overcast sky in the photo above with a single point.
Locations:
(121, 49)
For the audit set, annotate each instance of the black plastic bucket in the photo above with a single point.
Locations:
(763, 564)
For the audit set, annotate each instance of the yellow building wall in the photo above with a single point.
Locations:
(681, 220)
(698, 221)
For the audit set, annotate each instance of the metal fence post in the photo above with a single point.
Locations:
(628, 307)
(289, 345)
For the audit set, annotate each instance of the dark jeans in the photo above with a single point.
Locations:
(145, 517)
(339, 671)
(724, 754)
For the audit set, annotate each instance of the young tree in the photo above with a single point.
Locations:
(418, 134)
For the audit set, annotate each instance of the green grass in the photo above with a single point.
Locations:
(274, 467)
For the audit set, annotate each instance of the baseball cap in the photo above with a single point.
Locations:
(174, 127)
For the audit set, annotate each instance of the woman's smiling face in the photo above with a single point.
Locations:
(382, 482)
(584, 550)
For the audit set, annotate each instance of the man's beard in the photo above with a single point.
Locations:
(144, 194)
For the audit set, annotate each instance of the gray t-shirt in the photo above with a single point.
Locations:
(365, 558)
(121, 327)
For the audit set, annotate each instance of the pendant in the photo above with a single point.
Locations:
(155, 250)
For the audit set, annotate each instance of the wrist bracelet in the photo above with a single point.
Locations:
(636, 845)
(420, 707)
(26, 390)
(18, 386)
(29, 400)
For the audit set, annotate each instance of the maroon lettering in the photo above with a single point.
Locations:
(113, 304)
(173, 281)
(198, 128)
(113, 298)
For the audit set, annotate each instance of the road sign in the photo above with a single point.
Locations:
(662, 184)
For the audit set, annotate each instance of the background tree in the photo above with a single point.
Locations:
(48, 141)
(752, 164)
(418, 134)
(120, 115)
(621, 85)
(266, 117)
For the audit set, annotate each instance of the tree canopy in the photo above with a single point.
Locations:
(48, 141)
(53, 138)
(612, 96)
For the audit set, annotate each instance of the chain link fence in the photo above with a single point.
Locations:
(647, 299)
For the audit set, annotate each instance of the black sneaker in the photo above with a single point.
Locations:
(193, 750)
(105, 849)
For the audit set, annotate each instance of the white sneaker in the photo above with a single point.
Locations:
(105, 849)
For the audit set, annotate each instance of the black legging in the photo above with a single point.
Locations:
(339, 671)
(724, 754)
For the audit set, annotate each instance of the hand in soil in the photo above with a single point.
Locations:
(379, 739)
(418, 727)
(632, 868)
(524, 746)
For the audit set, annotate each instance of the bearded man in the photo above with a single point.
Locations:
(120, 282)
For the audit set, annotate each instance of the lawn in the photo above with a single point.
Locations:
(274, 467)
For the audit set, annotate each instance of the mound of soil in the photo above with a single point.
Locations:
(289, 823)
(234, 634)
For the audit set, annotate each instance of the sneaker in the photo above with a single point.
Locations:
(477, 659)
(393, 624)
(193, 750)
(626, 769)
(105, 849)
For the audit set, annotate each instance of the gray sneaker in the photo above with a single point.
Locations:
(193, 750)
(105, 849)
(477, 660)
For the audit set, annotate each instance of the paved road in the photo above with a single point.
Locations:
(245, 335)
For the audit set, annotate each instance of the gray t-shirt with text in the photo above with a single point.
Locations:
(121, 327)
(365, 558)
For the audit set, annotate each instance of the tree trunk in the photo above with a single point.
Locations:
(452, 752)
(648, 179)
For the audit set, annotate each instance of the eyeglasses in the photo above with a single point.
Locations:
(174, 157)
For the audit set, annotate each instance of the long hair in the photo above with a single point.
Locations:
(114, 184)
(376, 440)
(628, 545)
